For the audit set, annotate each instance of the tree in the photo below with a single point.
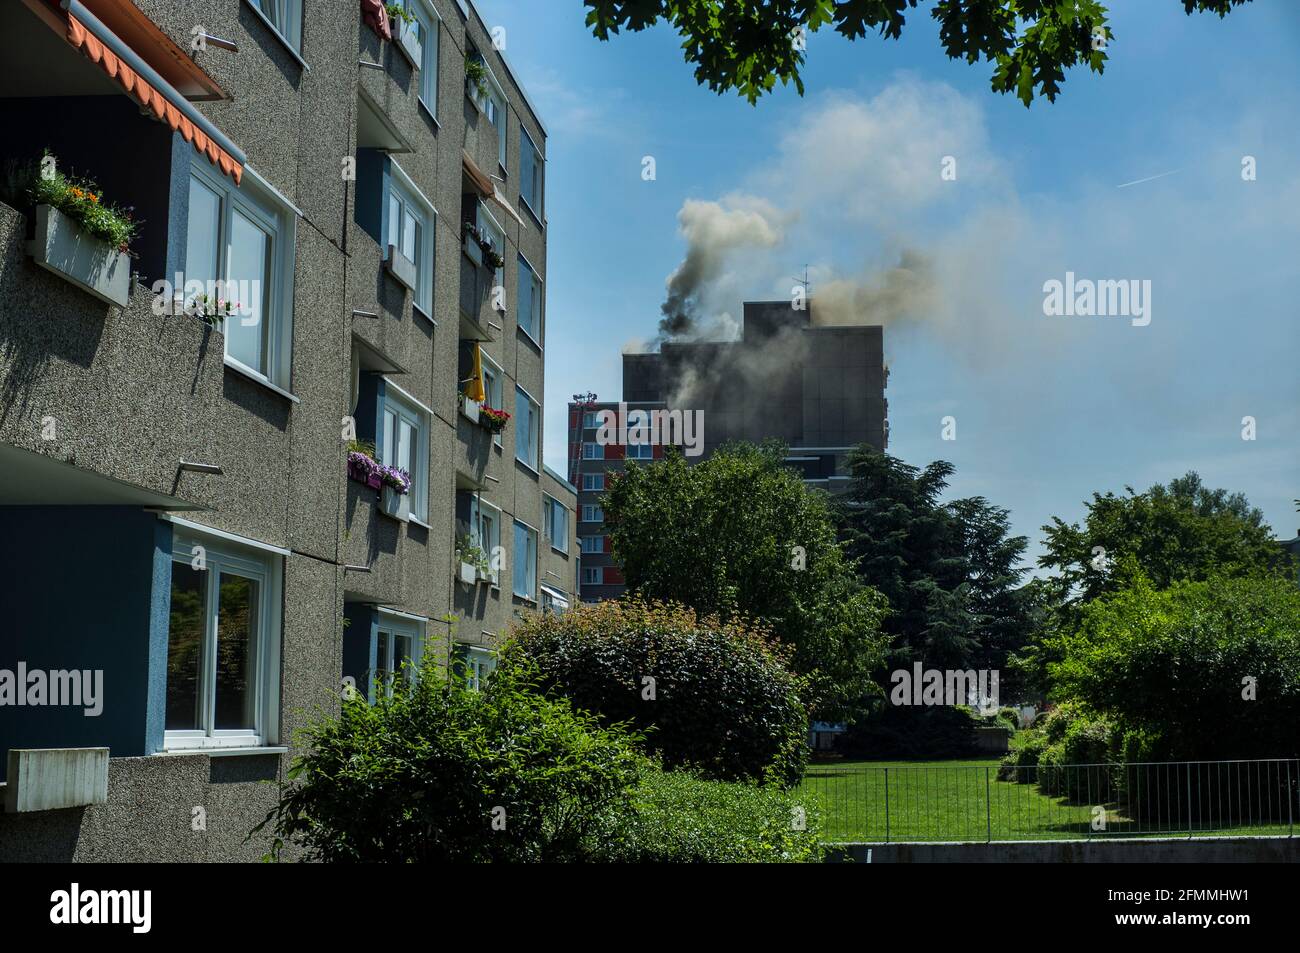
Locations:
(747, 45)
(711, 696)
(950, 571)
(741, 533)
(1199, 670)
(1180, 531)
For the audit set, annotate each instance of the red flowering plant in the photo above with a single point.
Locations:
(495, 420)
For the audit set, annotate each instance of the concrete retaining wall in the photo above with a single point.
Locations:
(1202, 850)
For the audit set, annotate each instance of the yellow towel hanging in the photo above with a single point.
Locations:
(474, 389)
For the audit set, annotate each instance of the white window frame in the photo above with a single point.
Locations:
(536, 299)
(493, 375)
(265, 207)
(534, 435)
(221, 555)
(415, 203)
(480, 662)
(593, 575)
(405, 407)
(550, 507)
(539, 173)
(395, 624)
(284, 17)
(530, 572)
(639, 451)
(593, 513)
(592, 544)
(487, 223)
(593, 482)
(493, 538)
(432, 25)
(589, 420)
(497, 95)
(592, 451)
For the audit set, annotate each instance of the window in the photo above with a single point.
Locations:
(593, 575)
(525, 561)
(490, 229)
(399, 646)
(589, 420)
(530, 301)
(409, 217)
(492, 101)
(591, 513)
(404, 443)
(223, 639)
(553, 600)
(427, 22)
(285, 16)
(593, 481)
(485, 521)
(492, 377)
(531, 166)
(239, 246)
(527, 421)
(592, 451)
(593, 544)
(640, 451)
(478, 663)
(555, 523)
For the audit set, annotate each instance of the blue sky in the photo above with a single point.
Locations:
(1047, 408)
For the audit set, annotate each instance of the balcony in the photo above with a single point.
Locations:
(373, 546)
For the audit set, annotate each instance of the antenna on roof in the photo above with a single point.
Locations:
(807, 285)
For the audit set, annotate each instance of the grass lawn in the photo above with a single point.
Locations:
(949, 801)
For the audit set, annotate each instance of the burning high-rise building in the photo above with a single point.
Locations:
(819, 389)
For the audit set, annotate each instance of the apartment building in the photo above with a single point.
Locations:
(818, 388)
(189, 512)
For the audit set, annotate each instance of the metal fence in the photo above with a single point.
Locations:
(861, 802)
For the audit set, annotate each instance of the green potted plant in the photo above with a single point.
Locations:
(79, 236)
(473, 561)
(476, 81)
(406, 31)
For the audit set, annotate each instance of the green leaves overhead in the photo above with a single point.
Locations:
(747, 45)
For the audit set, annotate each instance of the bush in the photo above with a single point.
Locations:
(1020, 763)
(723, 702)
(1073, 735)
(1010, 717)
(432, 773)
(679, 818)
(1171, 666)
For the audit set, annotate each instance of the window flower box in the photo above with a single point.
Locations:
(65, 248)
(470, 408)
(495, 420)
(473, 562)
(363, 468)
(407, 35)
(395, 495)
(401, 268)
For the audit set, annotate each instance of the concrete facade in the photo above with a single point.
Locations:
(99, 405)
(818, 389)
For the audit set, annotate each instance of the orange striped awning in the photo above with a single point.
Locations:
(151, 98)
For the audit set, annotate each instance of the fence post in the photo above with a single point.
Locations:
(988, 804)
(886, 805)
(1189, 800)
(1290, 802)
